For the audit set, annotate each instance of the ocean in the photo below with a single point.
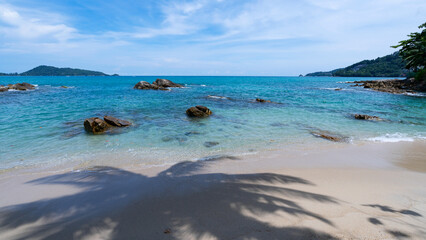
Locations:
(44, 127)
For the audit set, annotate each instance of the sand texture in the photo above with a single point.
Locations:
(332, 193)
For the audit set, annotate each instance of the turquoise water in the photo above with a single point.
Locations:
(45, 126)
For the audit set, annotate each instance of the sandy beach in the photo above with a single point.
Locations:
(335, 191)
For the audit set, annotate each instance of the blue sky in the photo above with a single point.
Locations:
(202, 37)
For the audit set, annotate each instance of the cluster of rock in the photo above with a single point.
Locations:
(198, 111)
(17, 86)
(393, 85)
(96, 125)
(367, 117)
(159, 84)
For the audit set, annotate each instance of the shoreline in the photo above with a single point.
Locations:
(340, 191)
(295, 150)
(128, 160)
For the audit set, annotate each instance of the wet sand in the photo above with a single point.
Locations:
(336, 191)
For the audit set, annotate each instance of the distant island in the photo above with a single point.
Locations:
(54, 71)
(388, 66)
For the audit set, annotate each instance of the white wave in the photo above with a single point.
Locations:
(217, 97)
(416, 94)
(202, 85)
(331, 88)
(392, 138)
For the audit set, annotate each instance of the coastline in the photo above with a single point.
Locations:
(340, 191)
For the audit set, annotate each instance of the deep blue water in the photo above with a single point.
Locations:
(45, 126)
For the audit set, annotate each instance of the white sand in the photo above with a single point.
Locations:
(373, 191)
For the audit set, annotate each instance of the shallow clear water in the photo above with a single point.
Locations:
(45, 126)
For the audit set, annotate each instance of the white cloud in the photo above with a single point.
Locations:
(14, 25)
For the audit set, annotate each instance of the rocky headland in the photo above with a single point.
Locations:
(396, 86)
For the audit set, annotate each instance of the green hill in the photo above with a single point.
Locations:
(54, 71)
(388, 66)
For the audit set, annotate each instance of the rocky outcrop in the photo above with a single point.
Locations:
(96, 125)
(393, 85)
(143, 85)
(159, 84)
(116, 122)
(17, 86)
(367, 117)
(198, 111)
(164, 83)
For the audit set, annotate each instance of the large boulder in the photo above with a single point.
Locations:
(143, 85)
(367, 117)
(21, 86)
(198, 111)
(164, 83)
(3, 88)
(116, 122)
(95, 125)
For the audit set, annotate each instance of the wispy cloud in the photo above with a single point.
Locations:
(41, 26)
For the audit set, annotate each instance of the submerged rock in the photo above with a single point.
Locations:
(95, 125)
(329, 136)
(116, 122)
(367, 117)
(198, 111)
(192, 133)
(159, 84)
(263, 100)
(210, 144)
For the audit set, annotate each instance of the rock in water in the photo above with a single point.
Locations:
(4, 89)
(262, 100)
(367, 117)
(328, 136)
(21, 86)
(95, 125)
(164, 83)
(210, 144)
(143, 85)
(198, 111)
(116, 122)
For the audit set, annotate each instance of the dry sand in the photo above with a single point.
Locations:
(338, 191)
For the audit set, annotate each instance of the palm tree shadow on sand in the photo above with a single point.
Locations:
(178, 203)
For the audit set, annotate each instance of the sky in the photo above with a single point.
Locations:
(202, 37)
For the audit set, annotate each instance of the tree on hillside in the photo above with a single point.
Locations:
(413, 51)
